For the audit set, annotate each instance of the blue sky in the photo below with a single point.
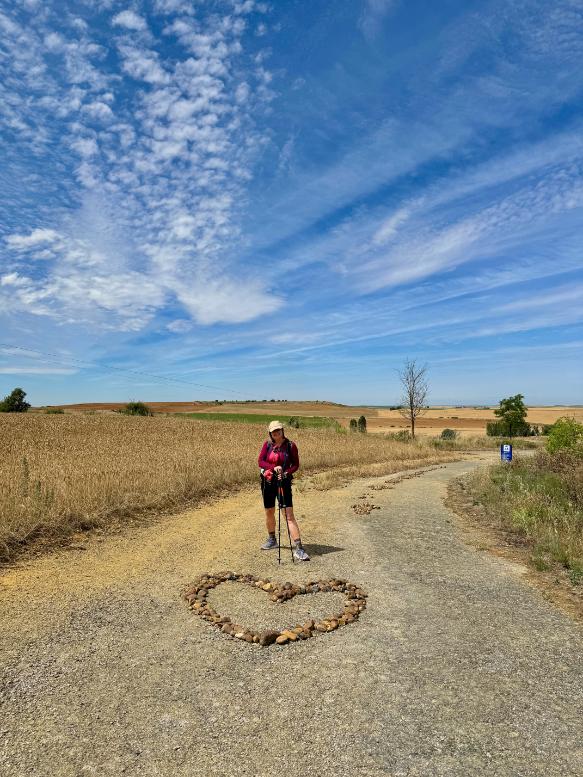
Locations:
(242, 199)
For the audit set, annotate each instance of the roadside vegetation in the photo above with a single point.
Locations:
(67, 472)
(478, 443)
(541, 498)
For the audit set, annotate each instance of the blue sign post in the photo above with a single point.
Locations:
(506, 451)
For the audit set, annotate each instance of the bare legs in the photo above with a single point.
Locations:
(291, 522)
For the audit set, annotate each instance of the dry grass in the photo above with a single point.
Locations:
(65, 472)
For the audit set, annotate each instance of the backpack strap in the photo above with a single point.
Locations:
(286, 454)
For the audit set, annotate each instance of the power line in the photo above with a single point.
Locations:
(70, 360)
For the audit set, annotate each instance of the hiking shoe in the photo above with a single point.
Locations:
(300, 554)
(270, 544)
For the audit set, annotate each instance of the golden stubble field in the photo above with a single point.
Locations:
(467, 421)
(64, 472)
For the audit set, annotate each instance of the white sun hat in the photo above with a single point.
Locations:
(274, 425)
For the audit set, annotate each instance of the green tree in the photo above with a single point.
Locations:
(512, 414)
(565, 434)
(361, 424)
(14, 402)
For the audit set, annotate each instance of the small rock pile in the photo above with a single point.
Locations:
(196, 596)
(365, 508)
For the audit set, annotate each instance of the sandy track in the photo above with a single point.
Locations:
(455, 668)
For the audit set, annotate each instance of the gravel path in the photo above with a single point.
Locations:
(455, 668)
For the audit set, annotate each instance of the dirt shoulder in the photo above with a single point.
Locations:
(455, 668)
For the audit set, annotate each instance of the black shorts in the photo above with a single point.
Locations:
(269, 491)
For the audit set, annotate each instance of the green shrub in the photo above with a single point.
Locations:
(404, 435)
(495, 429)
(54, 411)
(361, 424)
(136, 408)
(353, 425)
(565, 434)
(294, 422)
(449, 434)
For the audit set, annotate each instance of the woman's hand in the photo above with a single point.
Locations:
(278, 471)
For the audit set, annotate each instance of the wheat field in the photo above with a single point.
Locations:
(61, 473)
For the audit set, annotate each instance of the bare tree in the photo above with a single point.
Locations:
(415, 390)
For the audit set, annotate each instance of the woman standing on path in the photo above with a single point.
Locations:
(278, 461)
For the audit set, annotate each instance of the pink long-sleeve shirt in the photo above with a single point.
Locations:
(276, 457)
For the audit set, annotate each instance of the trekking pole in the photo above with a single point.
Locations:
(281, 498)
(278, 528)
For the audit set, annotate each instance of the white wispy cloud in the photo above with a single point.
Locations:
(130, 20)
(493, 209)
(17, 370)
(37, 237)
(373, 15)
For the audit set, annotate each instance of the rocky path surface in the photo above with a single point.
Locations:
(456, 667)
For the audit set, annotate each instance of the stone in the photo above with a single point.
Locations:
(291, 635)
(268, 637)
(267, 586)
(282, 639)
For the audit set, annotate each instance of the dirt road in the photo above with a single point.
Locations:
(455, 668)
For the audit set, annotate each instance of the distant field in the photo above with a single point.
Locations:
(467, 421)
(308, 422)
